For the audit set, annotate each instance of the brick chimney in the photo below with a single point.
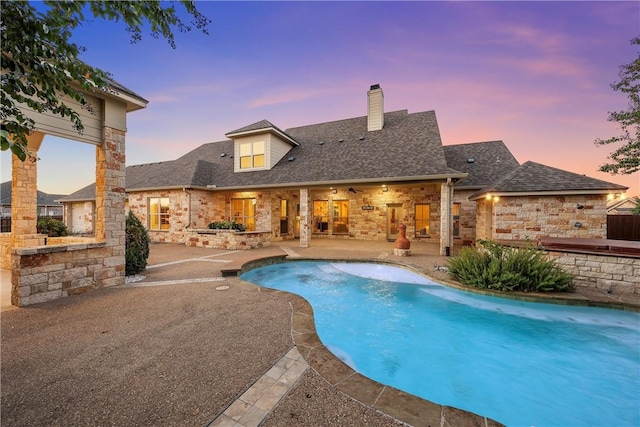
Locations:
(375, 108)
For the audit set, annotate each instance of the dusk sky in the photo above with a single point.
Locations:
(535, 75)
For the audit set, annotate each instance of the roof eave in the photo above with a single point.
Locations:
(498, 193)
(273, 130)
(379, 180)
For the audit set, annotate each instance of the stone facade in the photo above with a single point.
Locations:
(467, 218)
(613, 274)
(532, 217)
(192, 209)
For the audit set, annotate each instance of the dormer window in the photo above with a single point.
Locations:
(259, 146)
(252, 155)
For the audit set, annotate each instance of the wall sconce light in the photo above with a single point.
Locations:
(496, 198)
(334, 191)
(578, 224)
(385, 188)
(580, 206)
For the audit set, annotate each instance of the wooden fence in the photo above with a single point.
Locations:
(623, 227)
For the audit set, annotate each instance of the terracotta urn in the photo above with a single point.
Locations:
(402, 242)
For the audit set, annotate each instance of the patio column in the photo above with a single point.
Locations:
(110, 195)
(24, 195)
(305, 236)
(446, 217)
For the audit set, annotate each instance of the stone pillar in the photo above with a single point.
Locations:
(24, 188)
(446, 218)
(110, 199)
(305, 235)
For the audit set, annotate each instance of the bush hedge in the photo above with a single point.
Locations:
(51, 227)
(505, 268)
(137, 245)
(226, 225)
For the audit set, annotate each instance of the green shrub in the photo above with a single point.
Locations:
(137, 245)
(51, 227)
(504, 268)
(226, 225)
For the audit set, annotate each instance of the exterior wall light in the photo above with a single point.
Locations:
(385, 188)
(334, 191)
(578, 224)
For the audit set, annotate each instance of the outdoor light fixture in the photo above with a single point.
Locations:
(580, 206)
(578, 224)
(334, 191)
(384, 188)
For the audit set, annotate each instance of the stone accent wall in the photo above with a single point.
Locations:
(49, 272)
(609, 273)
(467, 217)
(228, 239)
(178, 214)
(532, 217)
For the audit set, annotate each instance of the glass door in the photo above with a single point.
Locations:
(394, 218)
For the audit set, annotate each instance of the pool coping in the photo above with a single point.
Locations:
(389, 400)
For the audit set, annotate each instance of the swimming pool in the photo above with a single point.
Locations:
(523, 364)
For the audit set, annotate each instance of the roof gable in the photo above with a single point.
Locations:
(263, 126)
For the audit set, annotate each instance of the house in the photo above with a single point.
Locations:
(360, 178)
(621, 206)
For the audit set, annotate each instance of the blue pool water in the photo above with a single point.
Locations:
(523, 364)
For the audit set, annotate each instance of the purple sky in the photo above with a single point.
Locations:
(536, 75)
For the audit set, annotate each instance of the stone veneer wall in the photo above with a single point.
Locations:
(467, 216)
(519, 218)
(228, 239)
(613, 274)
(50, 272)
(195, 209)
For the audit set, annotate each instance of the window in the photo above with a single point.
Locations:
(320, 216)
(284, 217)
(243, 211)
(422, 220)
(252, 155)
(159, 213)
(340, 216)
(456, 220)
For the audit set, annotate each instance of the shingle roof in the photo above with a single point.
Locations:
(44, 199)
(485, 162)
(532, 177)
(84, 194)
(408, 146)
